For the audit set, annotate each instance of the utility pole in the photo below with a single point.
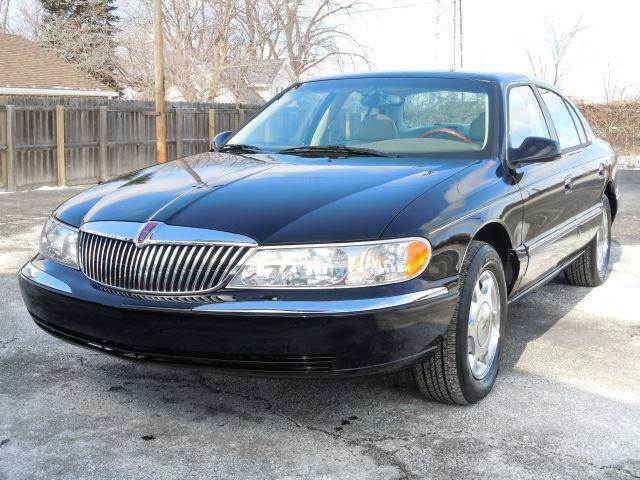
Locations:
(158, 75)
(445, 13)
(460, 31)
(455, 34)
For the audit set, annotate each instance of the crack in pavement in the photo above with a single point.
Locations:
(379, 455)
(369, 444)
(389, 458)
(6, 343)
(383, 457)
(506, 441)
(268, 406)
(570, 456)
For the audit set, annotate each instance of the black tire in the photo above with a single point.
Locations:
(446, 376)
(584, 271)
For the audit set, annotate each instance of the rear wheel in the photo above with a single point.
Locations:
(465, 365)
(590, 268)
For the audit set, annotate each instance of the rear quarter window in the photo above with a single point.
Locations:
(579, 125)
(562, 120)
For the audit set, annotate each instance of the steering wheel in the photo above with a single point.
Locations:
(448, 131)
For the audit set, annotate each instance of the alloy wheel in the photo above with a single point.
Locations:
(602, 244)
(483, 332)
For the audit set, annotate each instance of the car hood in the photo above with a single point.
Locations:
(270, 198)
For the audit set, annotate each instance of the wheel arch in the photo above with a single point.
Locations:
(495, 234)
(610, 192)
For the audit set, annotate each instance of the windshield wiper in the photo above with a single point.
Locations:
(239, 147)
(336, 150)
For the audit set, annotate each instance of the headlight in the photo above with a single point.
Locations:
(334, 266)
(59, 242)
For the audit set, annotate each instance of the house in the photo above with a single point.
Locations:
(255, 83)
(26, 68)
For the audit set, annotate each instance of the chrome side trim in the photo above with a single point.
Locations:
(166, 234)
(33, 273)
(321, 307)
(562, 230)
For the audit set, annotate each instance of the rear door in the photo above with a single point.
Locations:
(547, 187)
(588, 173)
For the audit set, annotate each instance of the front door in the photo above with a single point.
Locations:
(549, 233)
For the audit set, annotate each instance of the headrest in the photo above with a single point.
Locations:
(377, 127)
(477, 128)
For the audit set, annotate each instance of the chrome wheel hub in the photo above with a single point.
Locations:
(483, 332)
(602, 244)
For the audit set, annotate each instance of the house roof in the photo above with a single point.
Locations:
(28, 69)
(264, 72)
(243, 81)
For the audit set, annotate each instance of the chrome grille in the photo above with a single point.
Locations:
(165, 269)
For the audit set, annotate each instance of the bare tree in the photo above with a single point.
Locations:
(260, 30)
(4, 15)
(30, 20)
(21, 18)
(614, 89)
(211, 43)
(201, 40)
(310, 35)
(550, 65)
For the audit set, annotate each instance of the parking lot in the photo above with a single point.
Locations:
(567, 403)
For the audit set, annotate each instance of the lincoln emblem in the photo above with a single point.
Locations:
(146, 231)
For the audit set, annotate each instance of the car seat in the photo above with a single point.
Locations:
(378, 127)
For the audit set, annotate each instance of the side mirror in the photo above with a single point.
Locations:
(219, 140)
(535, 149)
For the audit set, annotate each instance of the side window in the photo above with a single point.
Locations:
(562, 120)
(525, 117)
(578, 123)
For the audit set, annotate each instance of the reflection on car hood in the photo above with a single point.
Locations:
(271, 198)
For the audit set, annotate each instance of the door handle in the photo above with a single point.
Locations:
(568, 185)
(601, 170)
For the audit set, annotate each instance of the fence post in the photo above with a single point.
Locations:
(62, 173)
(3, 148)
(177, 126)
(212, 126)
(11, 150)
(242, 114)
(102, 127)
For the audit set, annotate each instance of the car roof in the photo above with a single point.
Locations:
(502, 78)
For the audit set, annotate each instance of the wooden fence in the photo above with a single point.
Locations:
(82, 141)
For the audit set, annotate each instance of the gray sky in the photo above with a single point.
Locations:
(401, 35)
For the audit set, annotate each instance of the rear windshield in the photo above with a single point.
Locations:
(403, 116)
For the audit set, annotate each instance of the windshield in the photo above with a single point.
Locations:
(399, 116)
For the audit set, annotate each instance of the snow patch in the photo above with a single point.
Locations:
(48, 187)
(629, 162)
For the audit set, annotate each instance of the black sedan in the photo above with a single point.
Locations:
(357, 224)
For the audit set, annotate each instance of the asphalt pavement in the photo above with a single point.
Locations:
(566, 404)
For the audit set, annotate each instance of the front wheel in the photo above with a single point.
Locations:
(590, 268)
(465, 365)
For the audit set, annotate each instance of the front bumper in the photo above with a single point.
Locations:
(320, 333)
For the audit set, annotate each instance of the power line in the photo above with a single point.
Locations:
(377, 9)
